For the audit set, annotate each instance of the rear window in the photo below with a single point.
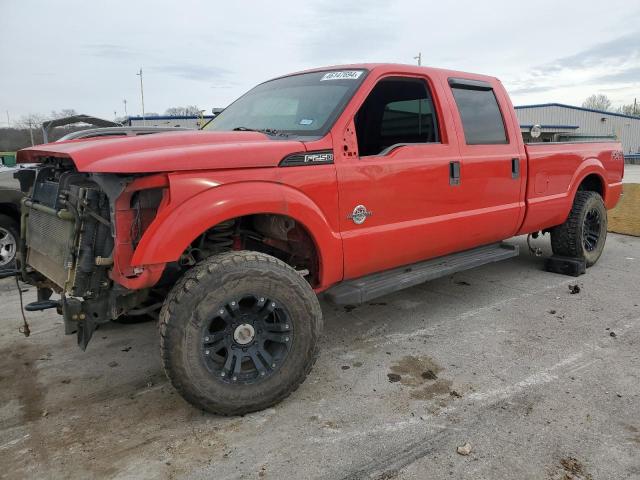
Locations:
(480, 114)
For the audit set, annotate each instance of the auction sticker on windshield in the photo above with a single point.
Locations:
(344, 75)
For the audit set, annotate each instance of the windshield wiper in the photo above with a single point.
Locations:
(268, 131)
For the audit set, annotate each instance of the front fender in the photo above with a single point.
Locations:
(176, 227)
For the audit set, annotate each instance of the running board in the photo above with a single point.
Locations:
(367, 288)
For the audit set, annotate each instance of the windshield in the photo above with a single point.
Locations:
(305, 104)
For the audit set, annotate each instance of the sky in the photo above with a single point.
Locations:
(84, 55)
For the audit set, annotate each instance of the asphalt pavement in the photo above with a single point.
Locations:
(540, 382)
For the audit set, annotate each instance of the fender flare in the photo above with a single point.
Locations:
(587, 167)
(175, 228)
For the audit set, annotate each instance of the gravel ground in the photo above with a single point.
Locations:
(541, 383)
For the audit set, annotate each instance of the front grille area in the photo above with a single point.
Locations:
(49, 242)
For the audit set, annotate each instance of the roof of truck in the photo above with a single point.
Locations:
(399, 68)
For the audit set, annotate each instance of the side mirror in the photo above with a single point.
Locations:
(535, 131)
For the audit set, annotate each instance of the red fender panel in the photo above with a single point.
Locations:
(176, 226)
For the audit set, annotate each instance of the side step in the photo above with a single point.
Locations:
(367, 288)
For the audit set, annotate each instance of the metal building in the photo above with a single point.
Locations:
(561, 122)
(189, 121)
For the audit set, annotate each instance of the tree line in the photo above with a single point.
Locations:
(598, 101)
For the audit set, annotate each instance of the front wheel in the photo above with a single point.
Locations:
(584, 233)
(239, 332)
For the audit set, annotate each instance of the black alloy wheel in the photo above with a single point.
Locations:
(247, 339)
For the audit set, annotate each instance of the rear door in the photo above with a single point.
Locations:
(493, 173)
(394, 163)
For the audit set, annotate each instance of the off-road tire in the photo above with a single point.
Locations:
(567, 239)
(203, 290)
(10, 225)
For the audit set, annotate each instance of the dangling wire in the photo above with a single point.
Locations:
(25, 330)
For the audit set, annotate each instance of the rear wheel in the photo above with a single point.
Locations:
(239, 332)
(584, 233)
(8, 242)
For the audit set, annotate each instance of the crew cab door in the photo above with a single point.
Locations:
(397, 160)
(494, 163)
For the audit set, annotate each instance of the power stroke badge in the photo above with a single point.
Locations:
(359, 214)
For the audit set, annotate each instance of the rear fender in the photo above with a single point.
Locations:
(549, 211)
(176, 227)
(589, 167)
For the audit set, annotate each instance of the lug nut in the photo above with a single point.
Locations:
(286, 339)
(273, 365)
(262, 299)
(221, 311)
(206, 352)
(222, 374)
(286, 326)
(273, 305)
(234, 378)
(206, 339)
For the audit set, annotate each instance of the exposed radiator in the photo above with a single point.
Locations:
(50, 245)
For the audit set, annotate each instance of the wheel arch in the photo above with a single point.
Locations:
(11, 210)
(176, 227)
(589, 176)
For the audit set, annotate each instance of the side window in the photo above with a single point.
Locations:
(479, 111)
(398, 110)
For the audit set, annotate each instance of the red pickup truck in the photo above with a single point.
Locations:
(354, 181)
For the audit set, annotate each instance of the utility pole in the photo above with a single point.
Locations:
(31, 132)
(419, 58)
(635, 104)
(124, 100)
(144, 121)
(8, 120)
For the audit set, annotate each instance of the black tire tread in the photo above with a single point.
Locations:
(565, 238)
(254, 263)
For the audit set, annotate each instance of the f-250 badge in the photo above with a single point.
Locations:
(360, 214)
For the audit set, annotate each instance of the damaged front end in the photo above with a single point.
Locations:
(69, 244)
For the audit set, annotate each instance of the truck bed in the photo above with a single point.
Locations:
(553, 170)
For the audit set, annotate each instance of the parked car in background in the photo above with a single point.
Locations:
(10, 196)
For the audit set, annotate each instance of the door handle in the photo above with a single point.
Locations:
(454, 173)
(515, 168)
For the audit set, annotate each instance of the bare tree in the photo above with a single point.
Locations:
(65, 112)
(188, 111)
(33, 120)
(597, 102)
(630, 109)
